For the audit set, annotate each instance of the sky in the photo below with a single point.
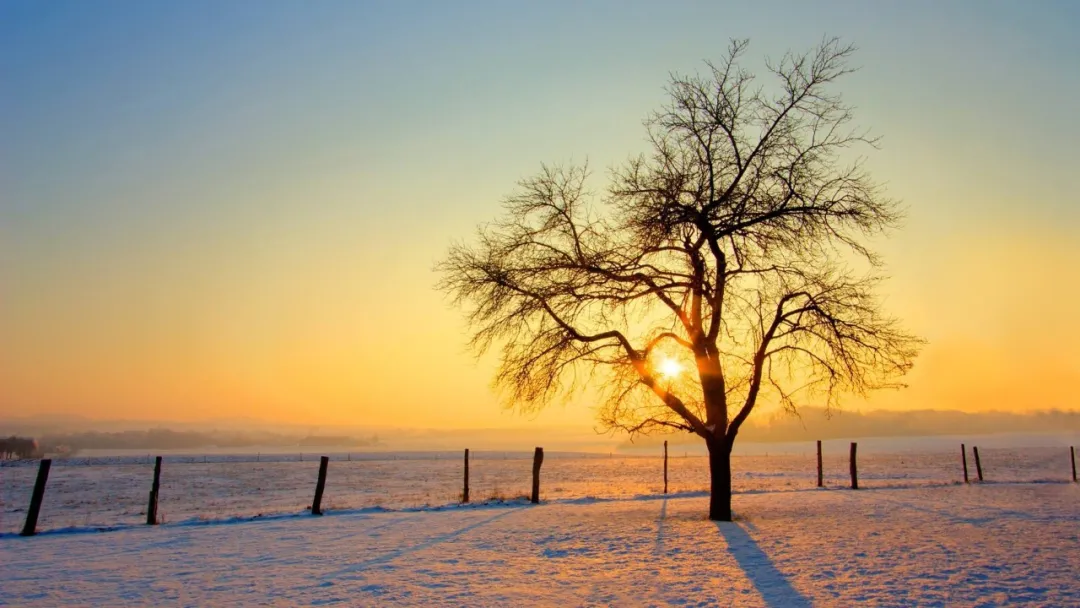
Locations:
(232, 210)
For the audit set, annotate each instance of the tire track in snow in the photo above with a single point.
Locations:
(427, 544)
(395, 519)
(183, 534)
(997, 513)
(950, 516)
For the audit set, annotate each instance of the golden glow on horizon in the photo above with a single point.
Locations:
(276, 263)
(342, 349)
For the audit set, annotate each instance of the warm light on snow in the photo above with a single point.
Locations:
(876, 547)
(669, 369)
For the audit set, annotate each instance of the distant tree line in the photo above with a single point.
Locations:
(18, 447)
(166, 439)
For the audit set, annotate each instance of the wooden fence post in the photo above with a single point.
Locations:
(316, 506)
(35, 499)
(665, 466)
(820, 471)
(1072, 454)
(465, 491)
(978, 463)
(963, 459)
(538, 459)
(854, 468)
(151, 509)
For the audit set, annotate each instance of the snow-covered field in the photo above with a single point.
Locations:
(980, 545)
(112, 492)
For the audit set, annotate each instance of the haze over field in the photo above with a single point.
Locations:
(231, 211)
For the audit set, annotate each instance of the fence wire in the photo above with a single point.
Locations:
(90, 493)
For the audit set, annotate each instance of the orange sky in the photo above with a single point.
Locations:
(199, 223)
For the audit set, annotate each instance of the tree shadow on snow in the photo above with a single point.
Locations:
(659, 547)
(770, 583)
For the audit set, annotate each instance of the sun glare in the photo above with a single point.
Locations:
(669, 368)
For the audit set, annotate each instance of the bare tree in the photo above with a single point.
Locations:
(737, 245)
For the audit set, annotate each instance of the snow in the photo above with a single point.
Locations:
(111, 492)
(981, 545)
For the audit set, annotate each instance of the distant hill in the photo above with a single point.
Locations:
(167, 439)
(314, 441)
(816, 423)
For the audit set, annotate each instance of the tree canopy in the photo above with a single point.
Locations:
(737, 244)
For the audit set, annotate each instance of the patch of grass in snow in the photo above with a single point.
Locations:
(497, 496)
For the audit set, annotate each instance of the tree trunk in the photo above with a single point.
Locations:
(720, 477)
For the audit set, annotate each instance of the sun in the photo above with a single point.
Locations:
(669, 368)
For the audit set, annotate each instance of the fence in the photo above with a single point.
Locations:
(108, 492)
